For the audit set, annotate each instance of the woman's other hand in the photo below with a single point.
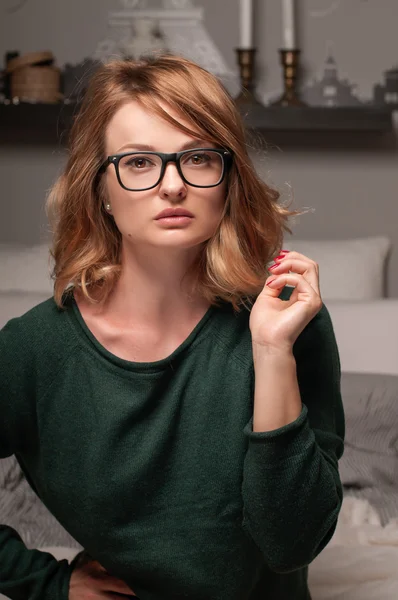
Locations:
(90, 581)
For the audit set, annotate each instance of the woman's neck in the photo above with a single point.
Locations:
(156, 289)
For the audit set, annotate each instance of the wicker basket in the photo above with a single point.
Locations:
(34, 78)
(36, 84)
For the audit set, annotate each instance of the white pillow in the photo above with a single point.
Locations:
(366, 334)
(25, 268)
(350, 269)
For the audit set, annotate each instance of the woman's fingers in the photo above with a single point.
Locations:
(297, 263)
(89, 579)
(110, 583)
(301, 285)
(113, 584)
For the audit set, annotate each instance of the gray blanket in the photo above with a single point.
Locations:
(21, 509)
(369, 466)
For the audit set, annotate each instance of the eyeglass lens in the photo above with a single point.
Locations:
(140, 170)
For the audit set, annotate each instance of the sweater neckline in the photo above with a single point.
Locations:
(159, 365)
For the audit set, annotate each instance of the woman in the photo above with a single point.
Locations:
(175, 406)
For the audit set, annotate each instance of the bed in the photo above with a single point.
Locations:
(360, 562)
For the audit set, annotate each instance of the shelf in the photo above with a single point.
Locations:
(49, 123)
(315, 118)
(35, 123)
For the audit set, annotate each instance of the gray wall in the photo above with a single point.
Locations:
(351, 183)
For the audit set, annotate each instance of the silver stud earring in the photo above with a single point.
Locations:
(108, 206)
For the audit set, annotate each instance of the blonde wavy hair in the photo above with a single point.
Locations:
(86, 248)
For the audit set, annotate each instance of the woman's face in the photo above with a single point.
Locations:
(133, 128)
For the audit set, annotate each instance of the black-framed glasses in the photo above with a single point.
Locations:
(199, 167)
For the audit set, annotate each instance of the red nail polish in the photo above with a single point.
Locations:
(273, 267)
(280, 257)
(285, 250)
(270, 281)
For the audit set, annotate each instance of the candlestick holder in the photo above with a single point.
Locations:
(290, 62)
(246, 59)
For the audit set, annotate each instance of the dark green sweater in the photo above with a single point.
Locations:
(154, 467)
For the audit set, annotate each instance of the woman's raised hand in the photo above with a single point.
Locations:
(276, 323)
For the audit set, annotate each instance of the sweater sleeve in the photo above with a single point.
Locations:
(291, 488)
(24, 574)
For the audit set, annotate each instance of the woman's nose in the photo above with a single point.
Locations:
(171, 183)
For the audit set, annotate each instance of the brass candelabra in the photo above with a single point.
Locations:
(290, 63)
(246, 62)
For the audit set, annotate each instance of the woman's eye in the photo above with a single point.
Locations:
(198, 159)
(137, 163)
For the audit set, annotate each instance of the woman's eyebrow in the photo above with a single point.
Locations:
(191, 144)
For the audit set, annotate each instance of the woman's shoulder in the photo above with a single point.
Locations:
(43, 328)
(232, 327)
(317, 342)
(233, 330)
(43, 315)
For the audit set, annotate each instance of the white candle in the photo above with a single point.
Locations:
(246, 24)
(288, 24)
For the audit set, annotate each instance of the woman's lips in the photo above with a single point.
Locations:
(176, 220)
(174, 212)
